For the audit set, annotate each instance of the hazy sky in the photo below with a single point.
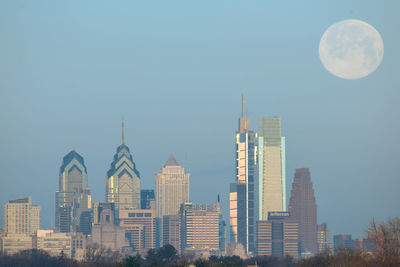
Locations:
(69, 70)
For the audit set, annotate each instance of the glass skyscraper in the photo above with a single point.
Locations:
(271, 167)
(73, 197)
(123, 179)
(242, 196)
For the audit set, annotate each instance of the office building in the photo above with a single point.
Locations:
(303, 209)
(123, 179)
(324, 244)
(107, 234)
(14, 243)
(271, 167)
(139, 228)
(73, 196)
(20, 217)
(278, 236)
(242, 196)
(56, 244)
(148, 200)
(172, 231)
(342, 241)
(172, 188)
(199, 227)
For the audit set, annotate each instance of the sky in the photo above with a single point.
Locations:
(175, 70)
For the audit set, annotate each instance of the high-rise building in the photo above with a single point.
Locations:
(342, 241)
(199, 227)
(242, 196)
(172, 188)
(20, 217)
(323, 239)
(148, 199)
(123, 179)
(139, 228)
(271, 167)
(303, 209)
(73, 196)
(172, 231)
(278, 236)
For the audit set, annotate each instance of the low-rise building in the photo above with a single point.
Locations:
(14, 243)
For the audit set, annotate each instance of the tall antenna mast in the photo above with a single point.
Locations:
(123, 132)
(244, 105)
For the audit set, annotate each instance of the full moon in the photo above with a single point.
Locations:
(351, 49)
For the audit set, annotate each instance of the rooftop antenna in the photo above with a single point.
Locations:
(123, 132)
(244, 105)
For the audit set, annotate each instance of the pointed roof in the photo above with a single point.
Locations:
(172, 161)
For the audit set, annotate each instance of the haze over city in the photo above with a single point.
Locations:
(175, 71)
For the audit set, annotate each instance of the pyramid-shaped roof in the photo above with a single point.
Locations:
(172, 161)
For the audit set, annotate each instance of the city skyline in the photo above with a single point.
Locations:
(176, 72)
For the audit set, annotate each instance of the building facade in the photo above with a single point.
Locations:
(324, 243)
(242, 196)
(172, 188)
(303, 209)
(148, 200)
(342, 241)
(20, 217)
(123, 179)
(139, 228)
(14, 243)
(172, 231)
(271, 167)
(108, 235)
(199, 227)
(56, 244)
(73, 196)
(278, 236)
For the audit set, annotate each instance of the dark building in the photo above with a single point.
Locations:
(85, 223)
(303, 209)
(172, 231)
(147, 199)
(342, 241)
(277, 236)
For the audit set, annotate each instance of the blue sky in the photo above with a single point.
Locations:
(69, 70)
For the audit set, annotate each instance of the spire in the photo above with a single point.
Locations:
(244, 123)
(123, 132)
(172, 161)
(244, 105)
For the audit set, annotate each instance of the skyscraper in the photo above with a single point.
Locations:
(242, 194)
(271, 167)
(20, 217)
(172, 188)
(123, 179)
(73, 196)
(302, 208)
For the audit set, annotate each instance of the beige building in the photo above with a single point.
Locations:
(271, 167)
(199, 227)
(139, 228)
(14, 243)
(172, 188)
(107, 234)
(20, 217)
(55, 244)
